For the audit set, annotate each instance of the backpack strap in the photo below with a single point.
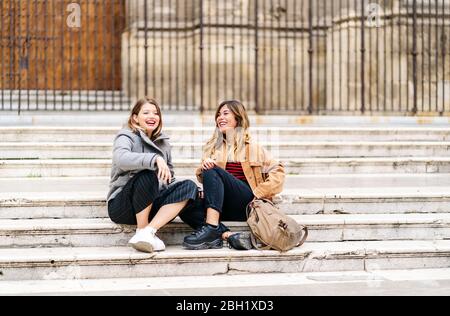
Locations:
(256, 245)
(305, 236)
(249, 208)
(250, 205)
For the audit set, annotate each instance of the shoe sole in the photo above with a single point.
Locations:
(216, 244)
(142, 247)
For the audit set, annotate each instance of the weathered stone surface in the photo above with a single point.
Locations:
(94, 263)
(322, 228)
(357, 222)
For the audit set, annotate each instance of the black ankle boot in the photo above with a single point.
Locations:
(206, 237)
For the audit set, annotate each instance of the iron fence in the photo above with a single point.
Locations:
(277, 56)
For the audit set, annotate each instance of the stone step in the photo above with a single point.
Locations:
(202, 134)
(369, 200)
(302, 182)
(31, 168)
(124, 262)
(71, 150)
(423, 282)
(173, 118)
(322, 228)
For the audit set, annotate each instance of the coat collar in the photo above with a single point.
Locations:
(145, 137)
(147, 140)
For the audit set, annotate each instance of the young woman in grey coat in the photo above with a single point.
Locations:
(143, 190)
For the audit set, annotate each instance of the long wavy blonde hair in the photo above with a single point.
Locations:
(236, 138)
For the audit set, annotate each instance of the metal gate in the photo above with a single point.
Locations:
(60, 55)
(388, 57)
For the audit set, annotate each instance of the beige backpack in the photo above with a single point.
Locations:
(272, 229)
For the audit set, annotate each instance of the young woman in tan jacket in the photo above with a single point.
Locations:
(234, 171)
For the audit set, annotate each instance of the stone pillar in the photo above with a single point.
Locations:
(389, 85)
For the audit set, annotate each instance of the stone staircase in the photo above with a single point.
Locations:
(374, 198)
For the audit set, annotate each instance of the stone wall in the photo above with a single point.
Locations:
(174, 54)
(389, 61)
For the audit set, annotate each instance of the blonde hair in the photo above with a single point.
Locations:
(239, 136)
(135, 111)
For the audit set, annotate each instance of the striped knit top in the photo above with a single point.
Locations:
(235, 168)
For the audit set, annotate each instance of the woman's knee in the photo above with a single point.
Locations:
(191, 185)
(189, 188)
(214, 172)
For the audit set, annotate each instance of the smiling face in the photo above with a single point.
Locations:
(148, 118)
(226, 120)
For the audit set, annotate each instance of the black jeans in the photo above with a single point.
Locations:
(226, 194)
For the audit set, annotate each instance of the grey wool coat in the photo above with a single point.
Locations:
(135, 152)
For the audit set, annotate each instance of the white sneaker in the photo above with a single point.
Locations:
(145, 240)
(136, 237)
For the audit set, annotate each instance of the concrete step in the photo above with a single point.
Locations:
(356, 200)
(202, 134)
(322, 228)
(31, 168)
(124, 262)
(193, 119)
(423, 282)
(69, 150)
(303, 182)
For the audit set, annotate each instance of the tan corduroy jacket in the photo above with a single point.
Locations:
(265, 175)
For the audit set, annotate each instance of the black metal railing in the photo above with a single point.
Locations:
(277, 56)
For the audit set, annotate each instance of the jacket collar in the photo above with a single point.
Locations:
(147, 140)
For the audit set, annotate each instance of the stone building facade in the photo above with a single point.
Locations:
(291, 55)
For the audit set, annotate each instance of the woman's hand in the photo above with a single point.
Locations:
(163, 170)
(208, 164)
